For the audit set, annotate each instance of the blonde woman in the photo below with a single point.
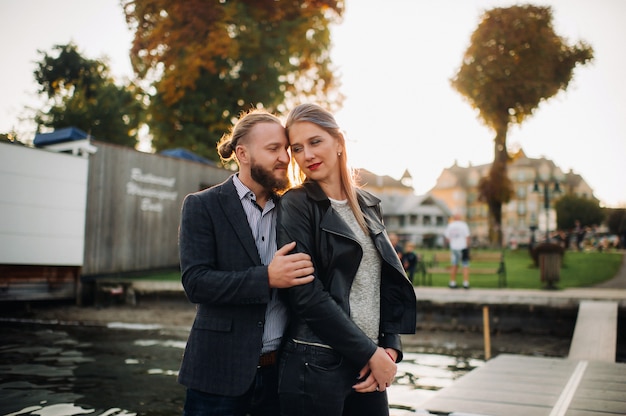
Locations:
(343, 342)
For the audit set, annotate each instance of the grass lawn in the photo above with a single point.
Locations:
(579, 269)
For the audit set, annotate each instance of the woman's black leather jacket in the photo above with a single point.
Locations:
(321, 309)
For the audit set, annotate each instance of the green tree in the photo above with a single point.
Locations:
(616, 220)
(81, 93)
(570, 208)
(514, 62)
(209, 60)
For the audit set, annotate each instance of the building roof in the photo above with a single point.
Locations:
(410, 204)
(67, 134)
(182, 153)
(367, 178)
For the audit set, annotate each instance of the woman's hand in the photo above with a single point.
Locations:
(378, 373)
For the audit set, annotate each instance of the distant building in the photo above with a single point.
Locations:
(458, 187)
(379, 185)
(420, 219)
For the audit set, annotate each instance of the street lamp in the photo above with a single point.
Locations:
(546, 200)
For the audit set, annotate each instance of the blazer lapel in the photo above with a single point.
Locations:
(236, 216)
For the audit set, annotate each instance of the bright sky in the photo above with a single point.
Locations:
(395, 58)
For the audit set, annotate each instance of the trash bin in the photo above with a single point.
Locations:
(550, 259)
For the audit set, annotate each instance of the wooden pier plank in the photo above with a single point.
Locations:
(595, 334)
(488, 408)
(595, 392)
(505, 397)
(602, 371)
(574, 412)
(506, 385)
(598, 405)
(601, 391)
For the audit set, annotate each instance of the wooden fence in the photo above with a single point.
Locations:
(133, 208)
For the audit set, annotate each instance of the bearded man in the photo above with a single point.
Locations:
(231, 269)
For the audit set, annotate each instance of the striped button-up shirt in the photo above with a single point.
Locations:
(262, 222)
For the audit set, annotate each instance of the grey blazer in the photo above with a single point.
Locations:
(222, 273)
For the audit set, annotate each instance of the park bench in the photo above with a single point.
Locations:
(442, 266)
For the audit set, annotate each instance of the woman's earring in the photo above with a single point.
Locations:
(339, 154)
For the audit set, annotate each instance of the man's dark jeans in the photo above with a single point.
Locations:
(260, 400)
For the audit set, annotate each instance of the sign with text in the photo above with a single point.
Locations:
(152, 189)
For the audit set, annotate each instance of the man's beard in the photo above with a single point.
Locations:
(268, 181)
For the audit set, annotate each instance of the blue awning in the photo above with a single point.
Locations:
(67, 134)
(181, 153)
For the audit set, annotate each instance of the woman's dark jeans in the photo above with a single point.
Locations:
(316, 381)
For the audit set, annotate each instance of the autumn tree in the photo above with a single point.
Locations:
(81, 93)
(514, 62)
(207, 61)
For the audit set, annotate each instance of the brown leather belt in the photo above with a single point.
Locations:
(267, 359)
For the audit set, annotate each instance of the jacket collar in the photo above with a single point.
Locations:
(315, 192)
(367, 201)
(231, 204)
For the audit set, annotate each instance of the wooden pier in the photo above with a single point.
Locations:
(587, 383)
(595, 334)
(515, 385)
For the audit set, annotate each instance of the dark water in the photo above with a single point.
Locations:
(54, 369)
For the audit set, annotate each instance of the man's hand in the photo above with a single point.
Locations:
(287, 270)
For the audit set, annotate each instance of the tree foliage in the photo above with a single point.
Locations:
(81, 93)
(514, 62)
(616, 220)
(209, 60)
(570, 208)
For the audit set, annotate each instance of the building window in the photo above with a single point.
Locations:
(392, 221)
(440, 220)
(413, 219)
(427, 220)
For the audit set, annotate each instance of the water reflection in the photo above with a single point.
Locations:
(421, 375)
(59, 369)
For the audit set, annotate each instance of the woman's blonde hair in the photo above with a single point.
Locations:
(325, 120)
(238, 133)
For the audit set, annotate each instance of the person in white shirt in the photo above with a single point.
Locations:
(457, 236)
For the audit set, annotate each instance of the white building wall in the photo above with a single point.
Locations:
(42, 206)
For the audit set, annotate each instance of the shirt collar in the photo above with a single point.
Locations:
(243, 190)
